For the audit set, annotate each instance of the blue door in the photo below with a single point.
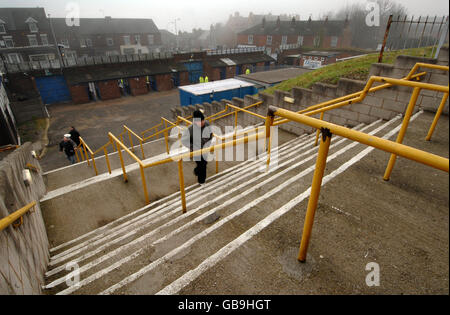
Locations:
(238, 69)
(53, 89)
(195, 70)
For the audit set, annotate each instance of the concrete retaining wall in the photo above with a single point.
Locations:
(384, 104)
(24, 253)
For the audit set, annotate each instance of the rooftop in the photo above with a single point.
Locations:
(215, 86)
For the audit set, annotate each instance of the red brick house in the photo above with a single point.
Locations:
(319, 34)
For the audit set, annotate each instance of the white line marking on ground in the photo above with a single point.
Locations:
(211, 261)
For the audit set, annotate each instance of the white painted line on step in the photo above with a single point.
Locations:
(141, 224)
(211, 261)
(285, 147)
(174, 252)
(110, 268)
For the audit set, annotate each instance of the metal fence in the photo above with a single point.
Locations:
(78, 62)
(403, 32)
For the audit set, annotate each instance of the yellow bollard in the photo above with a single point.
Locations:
(436, 117)
(315, 191)
(181, 176)
(402, 132)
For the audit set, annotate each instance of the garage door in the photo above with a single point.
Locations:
(53, 89)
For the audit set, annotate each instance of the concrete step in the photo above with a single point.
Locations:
(183, 227)
(122, 197)
(137, 222)
(161, 207)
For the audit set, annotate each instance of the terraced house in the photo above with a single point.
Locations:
(25, 35)
(28, 34)
(279, 34)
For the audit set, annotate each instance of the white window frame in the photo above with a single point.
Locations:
(334, 41)
(322, 59)
(32, 37)
(250, 39)
(269, 40)
(88, 42)
(19, 60)
(2, 28)
(300, 40)
(137, 39)
(33, 27)
(109, 41)
(10, 39)
(151, 39)
(126, 40)
(44, 39)
(83, 42)
(284, 40)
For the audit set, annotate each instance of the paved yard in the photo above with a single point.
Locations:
(94, 120)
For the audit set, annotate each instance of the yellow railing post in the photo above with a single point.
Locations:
(402, 132)
(315, 191)
(107, 160)
(131, 140)
(318, 131)
(76, 154)
(144, 184)
(166, 137)
(436, 117)
(119, 150)
(268, 141)
(93, 163)
(85, 153)
(181, 177)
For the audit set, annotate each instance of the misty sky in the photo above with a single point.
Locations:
(203, 13)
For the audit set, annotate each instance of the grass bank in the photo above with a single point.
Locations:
(357, 69)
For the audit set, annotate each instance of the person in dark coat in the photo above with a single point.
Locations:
(196, 137)
(74, 135)
(69, 148)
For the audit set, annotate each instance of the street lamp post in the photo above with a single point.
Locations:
(56, 44)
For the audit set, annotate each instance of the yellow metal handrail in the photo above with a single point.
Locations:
(178, 159)
(17, 215)
(328, 129)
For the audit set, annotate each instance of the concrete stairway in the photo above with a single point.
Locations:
(157, 249)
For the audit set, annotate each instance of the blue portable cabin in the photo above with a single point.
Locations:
(215, 91)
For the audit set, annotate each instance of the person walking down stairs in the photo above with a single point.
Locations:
(196, 137)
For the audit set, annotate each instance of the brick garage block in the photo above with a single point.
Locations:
(79, 93)
(109, 89)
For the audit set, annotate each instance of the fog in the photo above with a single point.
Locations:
(186, 15)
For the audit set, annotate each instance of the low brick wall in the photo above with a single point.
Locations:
(24, 253)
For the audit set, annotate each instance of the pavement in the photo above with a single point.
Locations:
(94, 120)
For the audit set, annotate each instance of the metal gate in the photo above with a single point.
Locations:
(195, 70)
(53, 89)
